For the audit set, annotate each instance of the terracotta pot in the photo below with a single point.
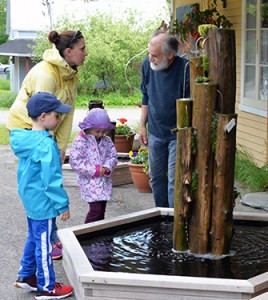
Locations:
(122, 144)
(140, 178)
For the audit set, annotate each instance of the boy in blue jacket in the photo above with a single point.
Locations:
(43, 196)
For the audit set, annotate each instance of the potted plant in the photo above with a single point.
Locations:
(139, 169)
(124, 136)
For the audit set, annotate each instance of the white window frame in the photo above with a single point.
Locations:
(254, 106)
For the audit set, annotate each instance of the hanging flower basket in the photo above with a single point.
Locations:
(188, 27)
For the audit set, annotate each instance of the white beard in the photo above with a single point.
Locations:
(159, 66)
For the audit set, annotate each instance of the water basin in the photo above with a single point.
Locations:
(91, 284)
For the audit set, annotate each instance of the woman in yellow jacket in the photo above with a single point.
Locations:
(56, 74)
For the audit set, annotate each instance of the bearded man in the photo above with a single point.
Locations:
(165, 78)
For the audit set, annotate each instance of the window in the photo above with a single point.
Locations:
(254, 75)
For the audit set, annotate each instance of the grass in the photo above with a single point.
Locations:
(4, 84)
(113, 99)
(6, 98)
(4, 136)
(249, 174)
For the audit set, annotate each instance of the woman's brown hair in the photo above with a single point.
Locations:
(64, 40)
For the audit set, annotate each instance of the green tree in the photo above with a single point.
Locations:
(3, 35)
(111, 45)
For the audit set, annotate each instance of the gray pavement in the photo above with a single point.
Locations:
(13, 220)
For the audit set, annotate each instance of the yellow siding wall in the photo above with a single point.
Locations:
(251, 129)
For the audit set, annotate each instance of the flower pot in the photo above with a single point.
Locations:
(95, 104)
(140, 178)
(122, 143)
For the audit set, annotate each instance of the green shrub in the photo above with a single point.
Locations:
(6, 99)
(113, 46)
(249, 174)
(4, 84)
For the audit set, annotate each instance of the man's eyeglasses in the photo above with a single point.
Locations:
(75, 37)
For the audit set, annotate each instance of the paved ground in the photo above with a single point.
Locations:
(13, 221)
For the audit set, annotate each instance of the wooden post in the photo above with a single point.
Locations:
(196, 69)
(182, 195)
(184, 112)
(223, 185)
(220, 49)
(203, 109)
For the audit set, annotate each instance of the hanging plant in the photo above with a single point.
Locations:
(188, 27)
(203, 29)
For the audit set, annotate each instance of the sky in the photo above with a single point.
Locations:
(35, 12)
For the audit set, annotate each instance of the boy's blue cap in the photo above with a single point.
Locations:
(45, 102)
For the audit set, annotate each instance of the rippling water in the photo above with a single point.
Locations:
(147, 249)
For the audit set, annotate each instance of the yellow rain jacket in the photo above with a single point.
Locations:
(52, 75)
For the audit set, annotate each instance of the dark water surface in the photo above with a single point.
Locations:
(147, 249)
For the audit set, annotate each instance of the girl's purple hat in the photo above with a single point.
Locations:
(96, 118)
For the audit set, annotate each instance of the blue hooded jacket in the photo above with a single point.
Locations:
(39, 173)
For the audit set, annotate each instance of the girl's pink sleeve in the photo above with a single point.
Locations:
(97, 172)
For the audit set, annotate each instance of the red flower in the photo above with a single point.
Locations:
(123, 120)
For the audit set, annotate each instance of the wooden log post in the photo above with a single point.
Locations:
(196, 69)
(182, 196)
(223, 185)
(203, 110)
(221, 53)
(184, 112)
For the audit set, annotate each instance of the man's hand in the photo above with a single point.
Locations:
(143, 122)
(143, 136)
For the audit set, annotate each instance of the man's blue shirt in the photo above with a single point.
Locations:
(160, 91)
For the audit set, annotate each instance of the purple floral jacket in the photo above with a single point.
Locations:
(86, 158)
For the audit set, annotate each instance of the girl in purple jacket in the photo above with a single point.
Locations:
(93, 157)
